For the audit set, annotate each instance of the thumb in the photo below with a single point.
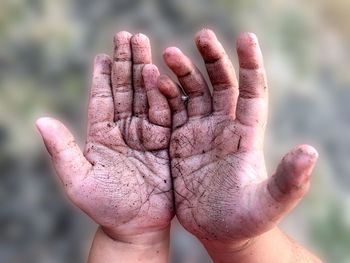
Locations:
(69, 161)
(285, 188)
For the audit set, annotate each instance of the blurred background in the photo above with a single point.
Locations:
(46, 53)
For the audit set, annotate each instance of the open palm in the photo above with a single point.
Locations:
(122, 180)
(222, 192)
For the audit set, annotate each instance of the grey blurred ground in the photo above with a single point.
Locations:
(46, 50)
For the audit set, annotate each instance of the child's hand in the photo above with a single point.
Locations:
(122, 181)
(222, 192)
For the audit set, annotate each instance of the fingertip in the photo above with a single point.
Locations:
(167, 87)
(171, 52)
(50, 127)
(308, 150)
(139, 38)
(293, 174)
(150, 75)
(303, 158)
(141, 49)
(149, 69)
(301, 161)
(209, 46)
(40, 122)
(122, 46)
(102, 64)
(67, 158)
(290, 183)
(247, 38)
(102, 58)
(204, 35)
(249, 53)
(49, 130)
(177, 61)
(122, 37)
(43, 123)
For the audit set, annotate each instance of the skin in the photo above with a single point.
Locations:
(145, 146)
(122, 180)
(223, 195)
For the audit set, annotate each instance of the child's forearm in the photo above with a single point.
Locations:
(272, 246)
(148, 247)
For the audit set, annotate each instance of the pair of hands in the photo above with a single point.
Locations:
(149, 155)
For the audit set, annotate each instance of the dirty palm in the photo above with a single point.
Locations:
(146, 146)
(123, 179)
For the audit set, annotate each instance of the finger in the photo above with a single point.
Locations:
(169, 89)
(155, 138)
(284, 189)
(159, 111)
(121, 76)
(252, 100)
(70, 163)
(101, 107)
(192, 81)
(220, 71)
(141, 55)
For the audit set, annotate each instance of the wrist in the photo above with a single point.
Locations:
(227, 251)
(272, 246)
(147, 238)
(260, 249)
(152, 246)
(227, 247)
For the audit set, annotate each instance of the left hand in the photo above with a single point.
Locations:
(222, 192)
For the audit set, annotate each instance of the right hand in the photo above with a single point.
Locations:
(122, 181)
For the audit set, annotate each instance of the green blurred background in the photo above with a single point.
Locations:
(46, 53)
